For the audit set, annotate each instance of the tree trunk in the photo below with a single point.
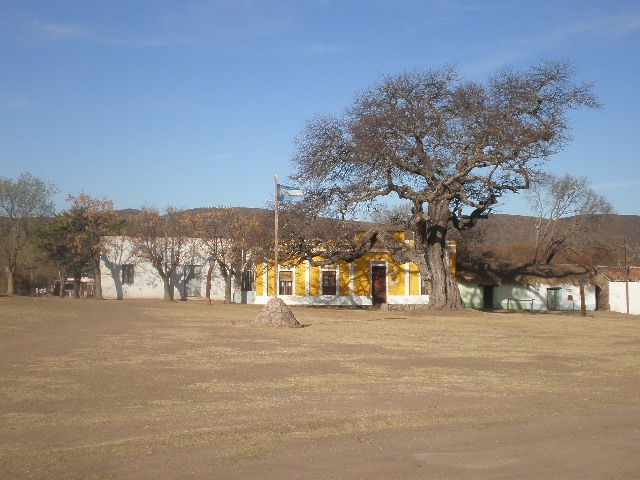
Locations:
(61, 279)
(168, 291)
(97, 280)
(76, 286)
(208, 287)
(10, 281)
(444, 293)
(227, 287)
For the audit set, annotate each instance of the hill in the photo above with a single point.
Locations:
(501, 229)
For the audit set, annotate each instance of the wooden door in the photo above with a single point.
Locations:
(378, 284)
(487, 296)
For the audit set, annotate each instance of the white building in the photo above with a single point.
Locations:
(531, 287)
(125, 275)
(621, 288)
(536, 287)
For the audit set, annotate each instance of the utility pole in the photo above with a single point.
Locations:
(626, 274)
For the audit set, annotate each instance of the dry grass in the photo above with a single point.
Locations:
(90, 388)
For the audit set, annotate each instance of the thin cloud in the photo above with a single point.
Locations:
(212, 25)
(324, 48)
(58, 31)
(608, 28)
(626, 184)
(216, 157)
(466, 6)
(615, 26)
(17, 102)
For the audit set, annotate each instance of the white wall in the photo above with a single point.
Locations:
(147, 284)
(569, 296)
(506, 296)
(345, 300)
(618, 297)
(532, 297)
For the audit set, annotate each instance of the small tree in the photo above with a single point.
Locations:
(160, 240)
(449, 148)
(568, 216)
(23, 203)
(96, 219)
(56, 241)
(73, 240)
(228, 235)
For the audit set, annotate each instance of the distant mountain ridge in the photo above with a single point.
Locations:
(503, 229)
(498, 229)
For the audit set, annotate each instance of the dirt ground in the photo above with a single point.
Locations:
(147, 389)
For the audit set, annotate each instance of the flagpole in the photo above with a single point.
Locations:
(275, 246)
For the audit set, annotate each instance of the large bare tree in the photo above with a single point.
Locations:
(22, 203)
(448, 147)
(569, 216)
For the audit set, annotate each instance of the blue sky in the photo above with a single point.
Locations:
(196, 103)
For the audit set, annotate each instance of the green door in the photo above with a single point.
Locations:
(553, 298)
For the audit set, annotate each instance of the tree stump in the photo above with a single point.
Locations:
(276, 313)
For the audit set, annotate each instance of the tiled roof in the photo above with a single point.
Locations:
(530, 274)
(617, 274)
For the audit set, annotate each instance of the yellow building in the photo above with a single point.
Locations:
(372, 279)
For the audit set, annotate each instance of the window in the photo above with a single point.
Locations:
(247, 280)
(328, 282)
(424, 286)
(286, 283)
(127, 273)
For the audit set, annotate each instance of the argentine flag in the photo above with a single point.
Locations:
(289, 194)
